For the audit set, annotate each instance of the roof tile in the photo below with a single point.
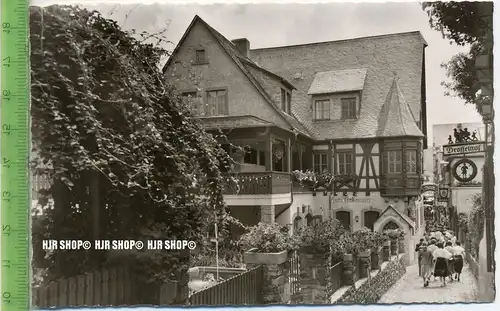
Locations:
(337, 81)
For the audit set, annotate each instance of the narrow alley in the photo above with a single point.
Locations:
(409, 289)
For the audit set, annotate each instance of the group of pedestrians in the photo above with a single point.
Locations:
(440, 256)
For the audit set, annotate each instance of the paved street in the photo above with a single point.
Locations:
(409, 289)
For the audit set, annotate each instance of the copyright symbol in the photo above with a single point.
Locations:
(191, 245)
(86, 245)
(139, 245)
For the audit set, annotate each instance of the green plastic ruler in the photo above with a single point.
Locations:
(14, 152)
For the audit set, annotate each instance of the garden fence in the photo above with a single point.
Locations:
(243, 289)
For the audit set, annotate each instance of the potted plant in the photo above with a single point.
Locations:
(346, 178)
(394, 235)
(324, 179)
(307, 179)
(267, 243)
(317, 238)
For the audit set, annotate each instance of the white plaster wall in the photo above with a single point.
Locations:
(461, 197)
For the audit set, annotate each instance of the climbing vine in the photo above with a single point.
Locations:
(116, 142)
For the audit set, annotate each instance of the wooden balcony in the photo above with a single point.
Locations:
(258, 183)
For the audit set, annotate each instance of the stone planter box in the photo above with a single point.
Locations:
(256, 258)
(348, 274)
(364, 264)
(313, 277)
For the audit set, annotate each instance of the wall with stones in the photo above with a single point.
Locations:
(370, 291)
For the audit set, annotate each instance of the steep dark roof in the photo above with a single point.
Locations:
(337, 81)
(379, 55)
(231, 122)
(242, 62)
(396, 118)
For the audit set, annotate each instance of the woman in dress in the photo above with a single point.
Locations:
(426, 263)
(451, 264)
(458, 254)
(441, 257)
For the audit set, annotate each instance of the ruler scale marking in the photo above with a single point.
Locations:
(14, 152)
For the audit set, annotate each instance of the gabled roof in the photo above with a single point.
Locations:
(338, 81)
(243, 62)
(379, 55)
(396, 118)
(401, 215)
(231, 122)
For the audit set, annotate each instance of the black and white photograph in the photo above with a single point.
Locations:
(231, 154)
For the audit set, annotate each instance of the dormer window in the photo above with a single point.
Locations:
(348, 107)
(286, 101)
(200, 57)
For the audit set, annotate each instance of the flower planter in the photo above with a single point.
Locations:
(348, 273)
(254, 257)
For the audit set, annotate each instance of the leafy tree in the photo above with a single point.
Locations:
(462, 74)
(462, 24)
(119, 146)
(459, 22)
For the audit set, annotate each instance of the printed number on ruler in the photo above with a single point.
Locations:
(14, 148)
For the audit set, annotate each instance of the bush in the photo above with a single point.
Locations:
(394, 233)
(318, 237)
(269, 238)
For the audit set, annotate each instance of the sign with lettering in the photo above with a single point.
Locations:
(352, 199)
(429, 187)
(458, 149)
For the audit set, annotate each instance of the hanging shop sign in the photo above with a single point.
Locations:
(444, 193)
(460, 149)
(429, 187)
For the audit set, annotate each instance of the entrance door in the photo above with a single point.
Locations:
(369, 218)
(345, 219)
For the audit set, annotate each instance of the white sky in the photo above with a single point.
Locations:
(293, 23)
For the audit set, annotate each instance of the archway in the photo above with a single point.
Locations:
(344, 217)
(370, 217)
(391, 225)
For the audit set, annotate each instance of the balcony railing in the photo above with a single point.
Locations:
(258, 183)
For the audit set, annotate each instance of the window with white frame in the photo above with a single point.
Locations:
(411, 161)
(394, 161)
(345, 162)
(216, 103)
(322, 109)
(320, 162)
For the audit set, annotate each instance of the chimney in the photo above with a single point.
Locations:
(243, 45)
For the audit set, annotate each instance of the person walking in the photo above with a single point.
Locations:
(432, 248)
(458, 254)
(417, 249)
(426, 263)
(451, 264)
(441, 257)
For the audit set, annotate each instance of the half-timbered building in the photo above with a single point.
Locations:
(355, 108)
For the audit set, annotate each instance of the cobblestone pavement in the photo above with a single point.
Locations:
(410, 289)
